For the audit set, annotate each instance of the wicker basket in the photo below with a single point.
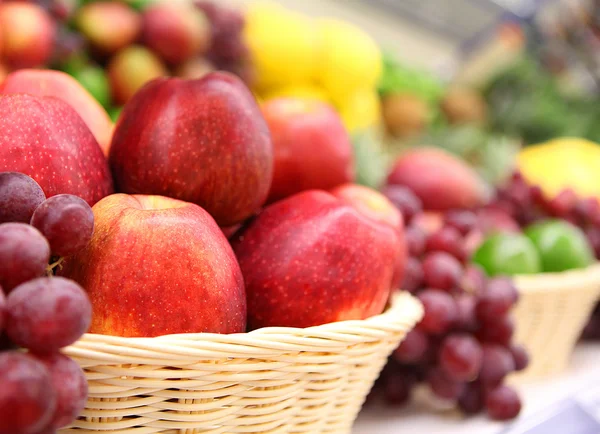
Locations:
(272, 380)
(550, 316)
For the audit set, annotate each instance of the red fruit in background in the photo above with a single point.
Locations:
(185, 280)
(64, 87)
(311, 147)
(441, 180)
(203, 141)
(46, 139)
(176, 31)
(108, 25)
(28, 34)
(310, 259)
(130, 69)
(194, 68)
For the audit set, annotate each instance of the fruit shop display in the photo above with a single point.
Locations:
(42, 389)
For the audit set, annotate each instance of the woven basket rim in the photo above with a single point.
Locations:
(403, 309)
(559, 281)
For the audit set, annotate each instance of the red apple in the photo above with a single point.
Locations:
(375, 205)
(109, 25)
(203, 141)
(311, 146)
(176, 31)
(441, 180)
(46, 139)
(64, 87)
(158, 266)
(131, 69)
(28, 34)
(312, 259)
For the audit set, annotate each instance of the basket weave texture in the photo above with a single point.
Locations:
(550, 316)
(272, 380)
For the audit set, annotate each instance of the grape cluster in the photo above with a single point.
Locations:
(228, 50)
(526, 203)
(462, 349)
(42, 389)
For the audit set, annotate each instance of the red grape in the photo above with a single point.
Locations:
(447, 240)
(441, 271)
(70, 385)
(398, 388)
(497, 331)
(415, 240)
(563, 204)
(440, 311)
(24, 254)
(47, 314)
(474, 279)
(496, 300)
(27, 398)
(404, 199)
(413, 275)
(460, 357)
(66, 221)
(2, 309)
(520, 357)
(588, 211)
(443, 386)
(466, 320)
(462, 220)
(537, 196)
(471, 400)
(413, 348)
(19, 197)
(497, 363)
(502, 403)
(593, 236)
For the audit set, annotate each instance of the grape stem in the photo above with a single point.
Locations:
(50, 268)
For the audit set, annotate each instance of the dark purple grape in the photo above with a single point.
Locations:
(70, 384)
(502, 403)
(497, 331)
(464, 221)
(466, 319)
(20, 195)
(404, 199)
(471, 401)
(496, 300)
(447, 240)
(443, 386)
(47, 314)
(440, 311)
(66, 221)
(520, 357)
(460, 357)
(413, 348)
(27, 398)
(442, 271)
(398, 388)
(416, 240)
(413, 275)
(497, 363)
(24, 254)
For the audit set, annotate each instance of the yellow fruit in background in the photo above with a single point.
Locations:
(349, 59)
(563, 163)
(298, 91)
(361, 110)
(283, 45)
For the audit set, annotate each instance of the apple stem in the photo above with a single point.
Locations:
(52, 266)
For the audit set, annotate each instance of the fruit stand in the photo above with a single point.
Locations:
(259, 216)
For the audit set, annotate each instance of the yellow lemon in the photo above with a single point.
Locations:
(349, 59)
(563, 163)
(361, 110)
(283, 45)
(298, 91)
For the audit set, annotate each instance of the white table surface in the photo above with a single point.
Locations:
(419, 418)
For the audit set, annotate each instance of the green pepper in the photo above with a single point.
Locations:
(508, 254)
(561, 245)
